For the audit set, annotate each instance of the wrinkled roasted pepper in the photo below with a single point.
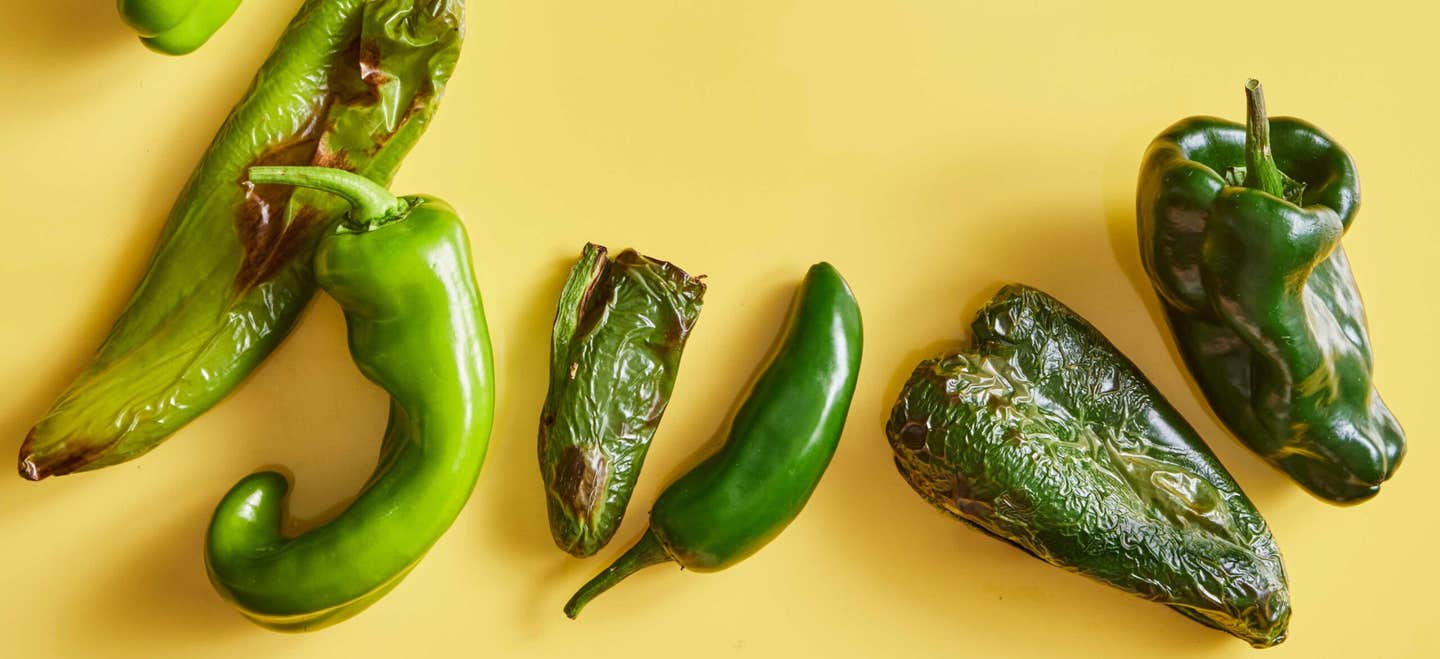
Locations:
(620, 329)
(781, 441)
(1043, 435)
(176, 27)
(400, 270)
(351, 84)
(1258, 293)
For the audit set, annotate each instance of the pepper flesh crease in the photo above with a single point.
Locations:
(351, 84)
(1043, 435)
(620, 329)
(1258, 293)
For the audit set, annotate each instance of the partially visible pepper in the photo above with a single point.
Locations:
(780, 443)
(1258, 293)
(620, 329)
(351, 84)
(176, 27)
(400, 269)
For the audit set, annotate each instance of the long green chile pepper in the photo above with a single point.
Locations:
(400, 270)
(780, 443)
(1042, 434)
(176, 27)
(351, 84)
(620, 329)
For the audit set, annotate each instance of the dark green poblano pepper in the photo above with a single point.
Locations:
(400, 269)
(780, 442)
(1043, 435)
(352, 84)
(620, 329)
(1240, 229)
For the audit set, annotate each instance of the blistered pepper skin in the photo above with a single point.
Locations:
(1259, 294)
(351, 84)
(1043, 435)
(417, 329)
(620, 330)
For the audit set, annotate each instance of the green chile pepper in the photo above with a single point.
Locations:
(176, 27)
(780, 443)
(620, 329)
(1044, 435)
(351, 84)
(400, 269)
(1259, 296)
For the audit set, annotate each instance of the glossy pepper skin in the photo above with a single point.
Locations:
(351, 84)
(1248, 264)
(176, 27)
(780, 443)
(620, 329)
(1042, 434)
(400, 269)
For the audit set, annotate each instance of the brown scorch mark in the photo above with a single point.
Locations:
(580, 479)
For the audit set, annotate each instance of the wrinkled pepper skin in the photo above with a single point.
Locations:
(176, 27)
(1259, 295)
(1043, 435)
(351, 84)
(400, 270)
(620, 329)
(780, 442)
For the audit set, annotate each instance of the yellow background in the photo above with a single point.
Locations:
(932, 150)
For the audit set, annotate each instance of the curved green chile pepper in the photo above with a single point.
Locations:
(780, 443)
(620, 329)
(400, 270)
(1259, 295)
(1043, 435)
(351, 84)
(176, 27)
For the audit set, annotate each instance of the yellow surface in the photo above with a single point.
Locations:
(930, 149)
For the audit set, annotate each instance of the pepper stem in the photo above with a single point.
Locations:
(370, 201)
(1261, 172)
(648, 551)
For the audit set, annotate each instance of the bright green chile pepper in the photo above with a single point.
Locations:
(176, 27)
(780, 443)
(400, 269)
(1259, 295)
(620, 329)
(351, 84)
(1042, 434)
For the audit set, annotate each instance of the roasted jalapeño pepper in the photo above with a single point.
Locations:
(1240, 229)
(176, 27)
(780, 442)
(351, 84)
(1041, 434)
(620, 329)
(400, 269)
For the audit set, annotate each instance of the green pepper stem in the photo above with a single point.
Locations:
(648, 551)
(1261, 172)
(370, 200)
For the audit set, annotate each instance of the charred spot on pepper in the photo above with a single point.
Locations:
(370, 72)
(34, 469)
(914, 436)
(580, 479)
(260, 222)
